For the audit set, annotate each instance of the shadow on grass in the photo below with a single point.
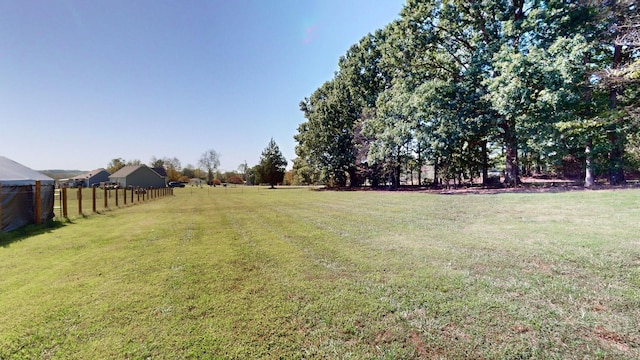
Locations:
(28, 231)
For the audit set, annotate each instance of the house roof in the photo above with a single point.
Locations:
(89, 174)
(128, 170)
(161, 171)
(12, 173)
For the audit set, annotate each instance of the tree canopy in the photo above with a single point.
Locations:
(209, 161)
(521, 86)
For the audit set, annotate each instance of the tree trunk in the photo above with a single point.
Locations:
(354, 180)
(616, 169)
(616, 152)
(435, 172)
(485, 163)
(588, 177)
(588, 158)
(419, 166)
(511, 155)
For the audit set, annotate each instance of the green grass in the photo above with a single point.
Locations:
(291, 273)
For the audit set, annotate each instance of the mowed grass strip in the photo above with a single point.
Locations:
(293, 273)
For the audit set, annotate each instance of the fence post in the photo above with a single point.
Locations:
(93, 191)
(132, 194)
(64, 203)
(124, 195)
(80, 200)
(116, 190)
(38, 200)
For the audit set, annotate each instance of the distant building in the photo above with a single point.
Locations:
(197, 182)
(90, 179)
(138, 176)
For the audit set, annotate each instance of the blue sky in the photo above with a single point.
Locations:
(83, 82)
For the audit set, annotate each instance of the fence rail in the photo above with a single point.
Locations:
(72, 201)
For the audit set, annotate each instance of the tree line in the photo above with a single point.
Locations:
(523, 86)
(270, 170)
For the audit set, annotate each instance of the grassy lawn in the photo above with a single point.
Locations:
(292, 273)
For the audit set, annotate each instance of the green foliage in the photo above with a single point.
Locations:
(450, 82)
(209, 161)
(118, 163)
(272, 165)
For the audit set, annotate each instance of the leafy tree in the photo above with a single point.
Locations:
(326, 141)
(173, 167)
(253, 178)
(209, 161)
(288, 177)
(463, 84)
(118, 163)
(304, 173)
(272, 164)
(242, 169)
(155, 162)
(115, 165)
(235, 179)
(188, 171)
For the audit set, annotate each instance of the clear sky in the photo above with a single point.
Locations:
(84, 82)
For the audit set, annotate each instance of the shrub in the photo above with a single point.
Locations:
(235, 179)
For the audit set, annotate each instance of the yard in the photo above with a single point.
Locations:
(246, 272)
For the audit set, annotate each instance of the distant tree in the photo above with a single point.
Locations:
(272, 164)
(173, 167)
(228, 175)
(220, 176)
(252, 176)
(242, 169)
(115, 165)
(235, 179)
(209, 161)
(156, 163)
(189, 171)
(304, 173)
(288, 177)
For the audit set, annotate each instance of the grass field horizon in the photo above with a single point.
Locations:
(248, 272)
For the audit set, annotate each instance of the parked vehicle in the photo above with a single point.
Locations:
(175, 184)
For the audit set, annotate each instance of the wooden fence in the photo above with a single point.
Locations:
(81, 201)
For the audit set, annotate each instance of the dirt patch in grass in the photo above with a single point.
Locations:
(613, 340)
